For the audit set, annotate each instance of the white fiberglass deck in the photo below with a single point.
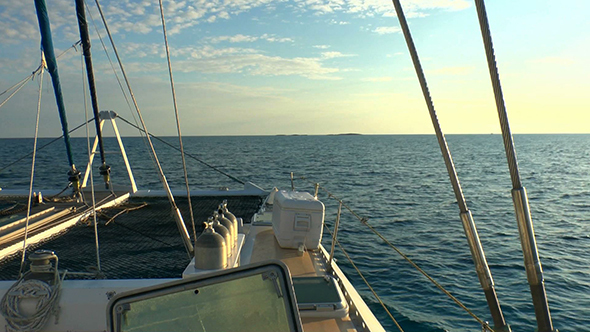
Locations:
(261, 245)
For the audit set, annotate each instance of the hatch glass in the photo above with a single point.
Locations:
(245, 299)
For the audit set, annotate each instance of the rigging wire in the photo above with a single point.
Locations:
(23, 81)
(22, 84)
(177, 215)
(365, 221)
(43, 146)
(364, 279)
(476, 249)
(532, 261)
(104, 47)
(74, 46)
(186, 153)
(36, 71)
(439, 286)
(22, 262)
(96, 243)
(188, 191)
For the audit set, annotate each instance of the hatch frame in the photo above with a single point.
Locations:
(275, 267)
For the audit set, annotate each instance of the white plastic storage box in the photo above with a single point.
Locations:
(297, 218)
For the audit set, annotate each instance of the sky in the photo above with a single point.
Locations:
(262, 67)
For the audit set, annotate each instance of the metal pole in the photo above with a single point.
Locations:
(532, 262)
(91, 159)
(292, 183)
(47, 44)
(477, 253)
(334, 236)
(85, 38)
(317, 188)
(124, 154)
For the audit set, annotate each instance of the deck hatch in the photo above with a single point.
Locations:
(242, 299)
(319, 297)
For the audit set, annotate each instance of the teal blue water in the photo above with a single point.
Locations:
(400, 184)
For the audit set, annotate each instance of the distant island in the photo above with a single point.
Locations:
(343, 134)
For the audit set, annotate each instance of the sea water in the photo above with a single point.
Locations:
(400, 184)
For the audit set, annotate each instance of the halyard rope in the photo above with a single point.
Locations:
(96, 244)
(22, 262)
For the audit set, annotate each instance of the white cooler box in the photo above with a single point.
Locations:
(297, 218)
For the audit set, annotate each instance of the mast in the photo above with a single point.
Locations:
(47, 46)
(83, 26)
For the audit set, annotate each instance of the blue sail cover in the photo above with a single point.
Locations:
(47, 47)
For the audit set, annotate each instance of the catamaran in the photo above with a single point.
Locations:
(258, 263)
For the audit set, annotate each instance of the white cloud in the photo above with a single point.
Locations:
(185, 14)
(275, 39)
(239, 38)
(234, 39)
(334, 54)
(323, 47)
(387, 30)
(212, 60)
(333, 21)
(18, 20)
(261, 65)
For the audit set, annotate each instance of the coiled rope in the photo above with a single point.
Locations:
(365, 221)
(47, 304)
(14, 209)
